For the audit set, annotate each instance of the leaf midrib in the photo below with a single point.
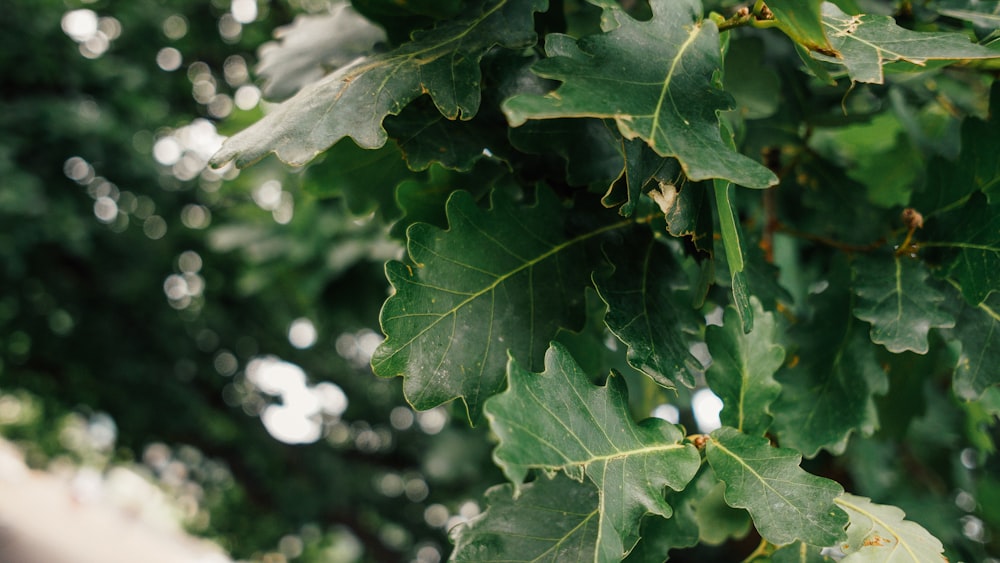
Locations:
(879, 521)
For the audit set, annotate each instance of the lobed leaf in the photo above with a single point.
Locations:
(498, 280)
(313, 45)
(353, 101)
(827, 389)
(655, 79)
(559, 420)
(785, 502)
(895, 298)
(866, 42)
(878, 532)
(968, 241)
(649, 309)
(549, 520)
(743, 367)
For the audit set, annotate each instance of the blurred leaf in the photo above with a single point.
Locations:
(669, 99)
(753, 85)
(895, 298)
(366, 179)
(978, 330)
(801, 20)
(465, 300)
(313, 45)
(558, 420)
(827, 388)
(553, 519)
(354, 100)
(866, 42)
(743, 366)
(878, 532)
(649, 309)
(785, 502)
(592, 151)
(798, 552)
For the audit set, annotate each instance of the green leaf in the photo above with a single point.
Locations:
(667, 96)
(866, 42)
(548, 520)
(801, 20)
(558, 420)
(592, 151)
(366, 179)
(313, 45)
(649, 309)
(978, 329)
(426, 137)
(798, 552)
(967, 241)
(826, 393)
(785, 502)
(895, 298)
(754, 86)
(733, 245)
(641, 167)
(500, 280)
(878, 532)
(743, 367)
(353, 101)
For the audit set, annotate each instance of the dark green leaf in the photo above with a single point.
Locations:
(733, 244)
(313, 45)
(826, 392)
(426, 137)
(592, 151)
(353, 101)
(785, 502)
(967, 241)
(558, 420)
(801, 20)
(743, 366)
(978, 329)
(641, 167)
(878, 532)
(753, 85)
(366, 179)
(666, 96)
(649, 309)
(895, 298)
(500, 280)
(549, 520)
(866, 42)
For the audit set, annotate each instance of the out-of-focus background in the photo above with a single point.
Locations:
(185, 349)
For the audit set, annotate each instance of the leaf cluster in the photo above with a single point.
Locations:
(769, 204)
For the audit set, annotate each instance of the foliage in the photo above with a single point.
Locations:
(790, 204)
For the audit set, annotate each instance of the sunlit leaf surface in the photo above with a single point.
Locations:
(879, 533)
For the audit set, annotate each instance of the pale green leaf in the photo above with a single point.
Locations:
(895, 298)
(656, 80)
(498, 280)
(866, 42)
(649, 309)
(878, 533)
(549, 520)
(353, 101)
(743, 367)
(313, 45)
(559, 420)
(785, 502)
